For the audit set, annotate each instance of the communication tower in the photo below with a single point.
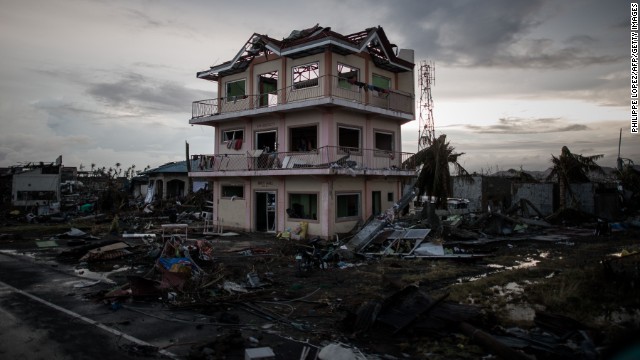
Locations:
(425, 121)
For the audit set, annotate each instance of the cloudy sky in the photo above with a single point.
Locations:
(109, 82)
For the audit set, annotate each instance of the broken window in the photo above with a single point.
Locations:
(348, 139)
(347, 76)
(236, 90)
(232, 191)
(303, 206)
(305, 76)
(383, 141)
(347, 205)
(230, 135)
(303, 138)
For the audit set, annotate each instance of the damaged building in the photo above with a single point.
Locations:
(37, 185)
(307, 128)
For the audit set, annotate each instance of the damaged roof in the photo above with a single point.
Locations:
(312, 41)
(172, 167)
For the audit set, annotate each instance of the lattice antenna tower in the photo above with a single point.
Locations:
(425, 121)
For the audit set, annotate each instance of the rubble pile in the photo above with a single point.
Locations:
(393, 288)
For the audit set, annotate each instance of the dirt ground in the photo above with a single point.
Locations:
(567, 274)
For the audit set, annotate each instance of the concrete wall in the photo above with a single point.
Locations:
(472, 192)
(34, 181)
(584, 194)
(540, 194)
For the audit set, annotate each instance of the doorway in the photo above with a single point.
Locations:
(265, 213)
(268, 89)
(376, 203)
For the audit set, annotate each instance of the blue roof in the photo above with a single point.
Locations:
(172, 167)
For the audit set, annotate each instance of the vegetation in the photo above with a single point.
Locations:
(434, 179)
(572, 168)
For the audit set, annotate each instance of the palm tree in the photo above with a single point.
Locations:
(434, 178)
(572, 168)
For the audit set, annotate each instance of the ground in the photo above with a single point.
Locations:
(568, 273)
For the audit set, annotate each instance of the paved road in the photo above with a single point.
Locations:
(43, 316)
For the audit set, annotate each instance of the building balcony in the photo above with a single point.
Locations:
(324, 90)
(327, 160)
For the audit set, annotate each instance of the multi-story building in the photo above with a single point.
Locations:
(307, 129)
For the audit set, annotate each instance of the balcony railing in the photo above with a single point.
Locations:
(307, 90)
(333, 157)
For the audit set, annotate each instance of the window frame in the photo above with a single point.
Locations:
(348, 217)
(222, 192)
(225, 139)
(378, 150)
(316, 194)
(292, 143)
(235, 97)
(305, 84)
(341, 80)
(351, 149)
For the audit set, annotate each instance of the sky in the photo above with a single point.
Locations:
(106, 82)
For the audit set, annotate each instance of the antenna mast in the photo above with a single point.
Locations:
(425, 122)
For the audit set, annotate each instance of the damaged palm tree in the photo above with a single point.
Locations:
(434, 179)
(572, 168)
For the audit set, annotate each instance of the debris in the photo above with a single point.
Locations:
(429, 248)
(46, 243)
(261, 353)
(107, 252)
(85, 283)
(338, 352)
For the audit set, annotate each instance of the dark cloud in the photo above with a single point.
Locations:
(513, 125)
(497, 33)
(137, 92)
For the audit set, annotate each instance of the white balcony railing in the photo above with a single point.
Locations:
(311, 89)
(322, 158)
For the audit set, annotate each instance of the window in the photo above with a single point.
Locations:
(347, 205)
(37, 195)
(229, 191)
(383, 140)
(348, 138)
(266, 140)
(347, 76)
(303, 206)
(381, 82)
(304, 138)
(390, 196)
(235, 134)
(236, 90)
(305, 76)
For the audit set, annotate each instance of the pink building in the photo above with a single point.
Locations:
(307, 128)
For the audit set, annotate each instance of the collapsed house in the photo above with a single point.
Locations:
(307, 129)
